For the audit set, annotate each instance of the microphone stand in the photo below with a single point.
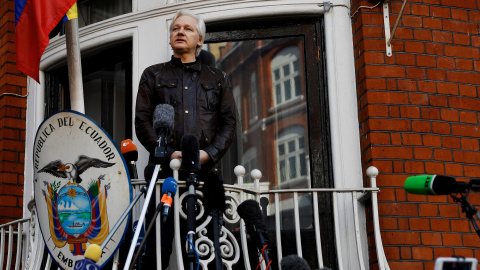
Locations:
(149, 229)
(143, 190)
(469, 210)
(264, 247)
(160, 153)
(217, 216)
(192, 184)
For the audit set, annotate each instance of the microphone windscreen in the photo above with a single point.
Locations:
(250, 212)
(163, 117)
(213, 192)
(430, 184)
(190, 153)
(93, 252)
(169, 185)
(293, 262)
(129, 150)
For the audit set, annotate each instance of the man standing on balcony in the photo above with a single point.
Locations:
(203, 104)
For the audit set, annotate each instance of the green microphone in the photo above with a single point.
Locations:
(433, 185)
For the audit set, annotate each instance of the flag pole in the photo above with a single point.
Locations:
(74, 63)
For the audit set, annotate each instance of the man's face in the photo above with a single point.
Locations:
(184, 37)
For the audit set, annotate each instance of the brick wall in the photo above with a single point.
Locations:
(419, 114)
(13, 92)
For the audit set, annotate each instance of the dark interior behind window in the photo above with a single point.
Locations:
(107, 82)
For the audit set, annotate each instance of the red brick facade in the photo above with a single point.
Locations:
(13, 90)
(419, 114)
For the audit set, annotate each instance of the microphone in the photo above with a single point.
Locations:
(169, 189)
(250, 212)
(130, 153)
(213, 193)
(92, 255)
(163, 118)
(293, 262)
(438, 185)
(190, 153)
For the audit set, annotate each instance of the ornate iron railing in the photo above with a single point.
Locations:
(24, 234)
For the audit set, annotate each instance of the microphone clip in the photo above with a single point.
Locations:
(193, 180)
(161, 149)
(470, 211)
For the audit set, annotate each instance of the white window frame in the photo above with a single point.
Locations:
(293, 134)
(286, 58)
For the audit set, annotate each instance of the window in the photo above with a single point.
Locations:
(107, 84)
(289, 140)
(292, 158)
(92, 11)
(285, 68)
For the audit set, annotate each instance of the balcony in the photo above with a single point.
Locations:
(22, 245)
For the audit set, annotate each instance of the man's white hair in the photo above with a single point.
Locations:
(201, 28)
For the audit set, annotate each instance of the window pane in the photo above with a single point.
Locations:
(107, 80)
(298, 89)
(281, 150)
(92, 11)
(303, 165)
(279, 134)
(288, 90)
(283, 173)
(301, 142)
(291, 146)
(278, 91)
(277, 74)
(286, 70)
(293, 167)
(296, 66)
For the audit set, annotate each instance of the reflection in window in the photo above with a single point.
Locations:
(250, 163)
(253, 97)
(285, 68)
(237, 97)
(279, 137)
(291, 155)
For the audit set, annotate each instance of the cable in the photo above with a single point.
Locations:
(263, 257)
(260, 263)
(369, 7)
(193, 247)
(13, 95)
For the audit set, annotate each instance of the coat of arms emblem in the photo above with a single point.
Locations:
(80, 187)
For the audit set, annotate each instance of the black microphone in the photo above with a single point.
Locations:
(169, 189)
(293, 262)
(250, 212)
(214, 203)
(191, 164)
(130, 154)
(190, 153)
(213, 193)
(163, 118)
(438, 185)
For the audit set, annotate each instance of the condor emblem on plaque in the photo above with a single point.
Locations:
(81, 186)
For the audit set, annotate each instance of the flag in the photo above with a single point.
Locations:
(34, 20)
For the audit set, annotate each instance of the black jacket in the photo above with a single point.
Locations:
(203, 103)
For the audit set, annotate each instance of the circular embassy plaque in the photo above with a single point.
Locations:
(81, 183)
